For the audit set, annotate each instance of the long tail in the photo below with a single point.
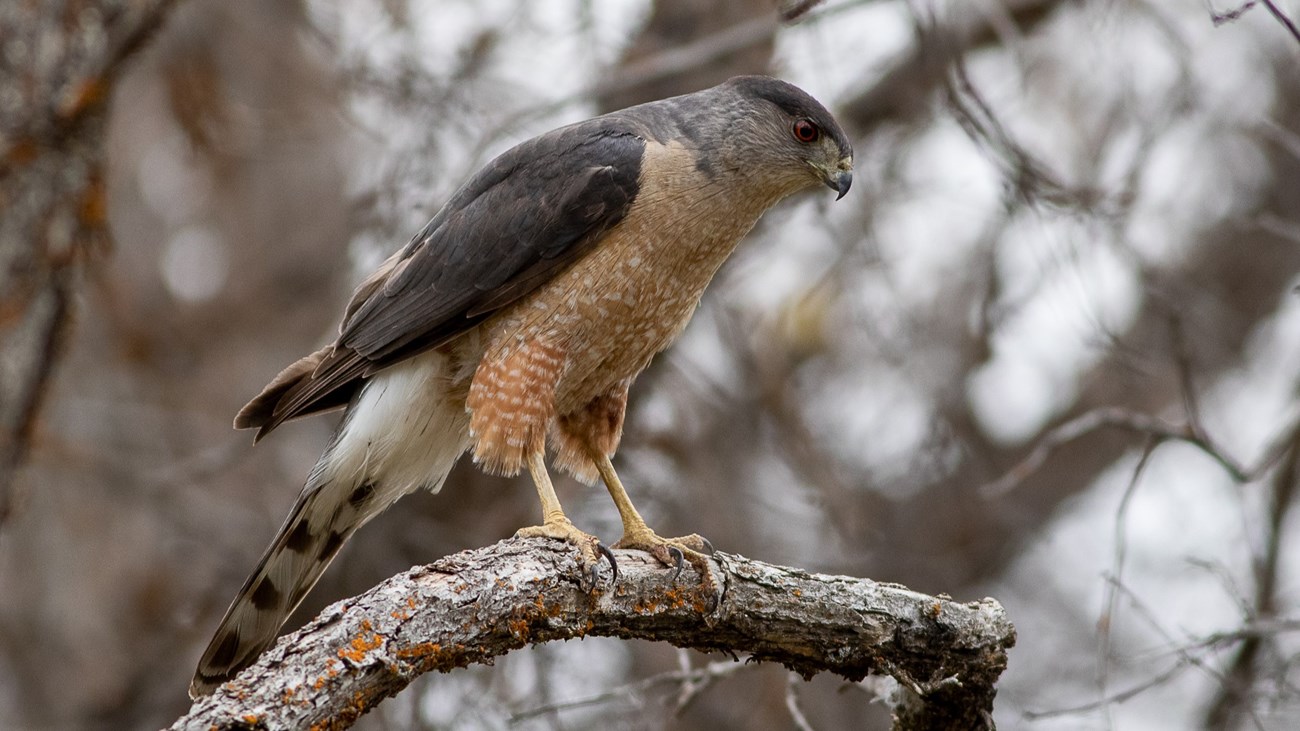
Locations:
(304, 547)
(402, 432)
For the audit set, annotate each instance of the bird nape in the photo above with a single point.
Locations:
(517, 318)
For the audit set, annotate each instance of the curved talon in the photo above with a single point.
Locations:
(679, 557)
(604, 551)
(590, 549)
(708, 545)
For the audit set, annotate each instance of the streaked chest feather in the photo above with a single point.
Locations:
(634, 293)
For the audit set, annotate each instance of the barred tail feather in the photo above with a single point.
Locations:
(304, 547)
(403, 431)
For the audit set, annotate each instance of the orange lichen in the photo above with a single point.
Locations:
(330, 673)
(519, 624)
(357, 705)
(551, 612)
(251, 718)
(518, 628)
(432, 656)
(289, 699)
(361, 644)
(677, 597)
(420, 650)
(797, 593)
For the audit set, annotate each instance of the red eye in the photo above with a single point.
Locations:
(806, 131)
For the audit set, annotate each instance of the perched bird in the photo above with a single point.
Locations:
(519, 316)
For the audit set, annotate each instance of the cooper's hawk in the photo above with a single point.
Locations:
(520, 315)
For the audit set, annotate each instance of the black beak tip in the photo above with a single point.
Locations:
(841, 182)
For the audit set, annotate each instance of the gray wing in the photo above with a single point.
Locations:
(530, 212)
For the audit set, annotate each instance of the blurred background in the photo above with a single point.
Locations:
(1047, 349)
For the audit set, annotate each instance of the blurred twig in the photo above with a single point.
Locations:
(1110, 605)
(692, 681)
(906, 87)
(792, 705)
(1228, 16)
(1234, 696)
(1078, 427)
(53, 207)
(1121, 418)
(1029, 178)
(1189, 655)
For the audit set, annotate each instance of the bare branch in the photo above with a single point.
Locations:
(793, 10)
(1113, 417)
(1234, 696)
(1128, 694)
(477, 605)
(792, 705)
(1229, 16)
(710, 48)
(904, 90)
(692, 680)
(1028, 178)
(53, 207)
(1110, 604)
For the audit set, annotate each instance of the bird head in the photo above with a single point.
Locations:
(789, 137)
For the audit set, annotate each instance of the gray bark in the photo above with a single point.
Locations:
(477, 605)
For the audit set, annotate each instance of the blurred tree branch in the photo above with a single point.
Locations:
(1153, 427)
(687, 45)
(1229, 16)
(906, 88)
(1233, 700)
(477, 605)
(58, 64)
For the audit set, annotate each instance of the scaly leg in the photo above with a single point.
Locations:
(555, 524)
(636, 534)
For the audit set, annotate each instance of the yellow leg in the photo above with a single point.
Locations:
(555, 524)
(632, 520)
(551, 510)
(636, 534)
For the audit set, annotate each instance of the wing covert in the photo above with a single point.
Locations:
(534, 210)
(530, 212)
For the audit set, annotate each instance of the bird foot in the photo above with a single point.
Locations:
(590, 549)
(673, 552)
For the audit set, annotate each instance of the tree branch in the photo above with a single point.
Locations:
(53, 208)
(477, 605)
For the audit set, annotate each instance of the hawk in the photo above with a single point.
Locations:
(518, 317)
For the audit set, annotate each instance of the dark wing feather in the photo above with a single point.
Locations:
(529, 213)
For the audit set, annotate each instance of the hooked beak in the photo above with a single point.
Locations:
(841, 181)
(839, 178)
